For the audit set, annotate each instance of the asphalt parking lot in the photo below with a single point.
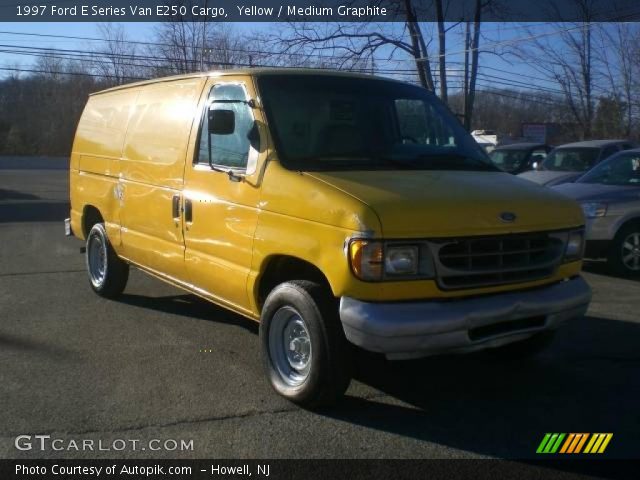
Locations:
(162, 364)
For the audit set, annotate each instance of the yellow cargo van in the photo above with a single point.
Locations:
(335, 209)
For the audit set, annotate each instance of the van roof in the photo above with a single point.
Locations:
(247, 71)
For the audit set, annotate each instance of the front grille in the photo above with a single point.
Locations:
(487, 261)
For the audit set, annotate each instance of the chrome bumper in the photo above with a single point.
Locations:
(416, 329)
(67, 227)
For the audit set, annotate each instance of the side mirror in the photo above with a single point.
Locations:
(222, 122)
(254, 136)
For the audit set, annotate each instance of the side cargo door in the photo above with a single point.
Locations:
(151, 177)
(221, 191)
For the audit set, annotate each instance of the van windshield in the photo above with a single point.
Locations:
(325, 122)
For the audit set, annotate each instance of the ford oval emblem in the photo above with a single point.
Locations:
(508, 217)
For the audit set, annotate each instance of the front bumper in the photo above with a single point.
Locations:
(416, 329)
(602, 228)
(68, 231)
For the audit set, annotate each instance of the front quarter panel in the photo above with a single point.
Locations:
(301, 217)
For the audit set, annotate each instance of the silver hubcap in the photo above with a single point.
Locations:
(290, 346)
(97, 260)
(631, 251)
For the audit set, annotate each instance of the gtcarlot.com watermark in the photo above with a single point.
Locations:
(42, 443)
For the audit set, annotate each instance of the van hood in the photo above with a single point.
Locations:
(454, 203)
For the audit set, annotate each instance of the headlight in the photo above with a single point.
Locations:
(373, 260)
(401, 261)
(575, 246)
(594, 209)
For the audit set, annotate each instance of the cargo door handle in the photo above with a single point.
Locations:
(188, 210)
(175, 207)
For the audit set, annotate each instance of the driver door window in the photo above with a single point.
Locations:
(227, 151)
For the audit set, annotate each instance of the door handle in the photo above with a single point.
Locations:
(175, 207)
(188, 210)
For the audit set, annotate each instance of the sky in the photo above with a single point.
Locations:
(497, 70)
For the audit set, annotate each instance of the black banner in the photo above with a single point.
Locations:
(317, 469)
(317, 10)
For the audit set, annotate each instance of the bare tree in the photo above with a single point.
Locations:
(619, 57)
(183, 46)
(116, 57)
(472, 49)
(566, 56)
(354, 44)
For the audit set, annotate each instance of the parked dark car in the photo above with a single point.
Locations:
(610, 198)
(519, 157)
(568, 162)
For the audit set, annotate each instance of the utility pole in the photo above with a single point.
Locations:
(204, 39)
(465, 92)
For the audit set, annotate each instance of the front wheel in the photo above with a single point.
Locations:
(108, 274)
(304, 351)
(624, 256)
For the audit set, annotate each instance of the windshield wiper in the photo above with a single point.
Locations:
(405, 163)
(447, 161)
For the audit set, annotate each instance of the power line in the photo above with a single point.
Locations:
(80, 74)
(80, 55)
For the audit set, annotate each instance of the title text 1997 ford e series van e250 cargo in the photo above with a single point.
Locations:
(335, 209)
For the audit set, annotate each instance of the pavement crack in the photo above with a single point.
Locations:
(48, 272)
(247, 414)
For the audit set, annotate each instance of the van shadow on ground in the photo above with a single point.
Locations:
(587, 381)
(600, 267)
(33, 211)
(189, 306)
(6, 194)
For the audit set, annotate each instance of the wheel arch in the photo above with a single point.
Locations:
(282, 268)
(90, 216)
(635, 220)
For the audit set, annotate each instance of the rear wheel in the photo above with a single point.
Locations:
(108, 274)
(304, 351)
(624, 255)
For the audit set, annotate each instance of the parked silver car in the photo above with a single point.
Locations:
(568, 162)
(610, 198)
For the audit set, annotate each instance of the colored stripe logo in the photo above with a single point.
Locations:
(574, 442)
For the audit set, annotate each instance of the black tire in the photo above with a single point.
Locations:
(527, 348)
(108, 274)
(329, 364)
(619, 250)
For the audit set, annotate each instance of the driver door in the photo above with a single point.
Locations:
(221, 194)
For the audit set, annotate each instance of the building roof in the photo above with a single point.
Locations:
(593, 143)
